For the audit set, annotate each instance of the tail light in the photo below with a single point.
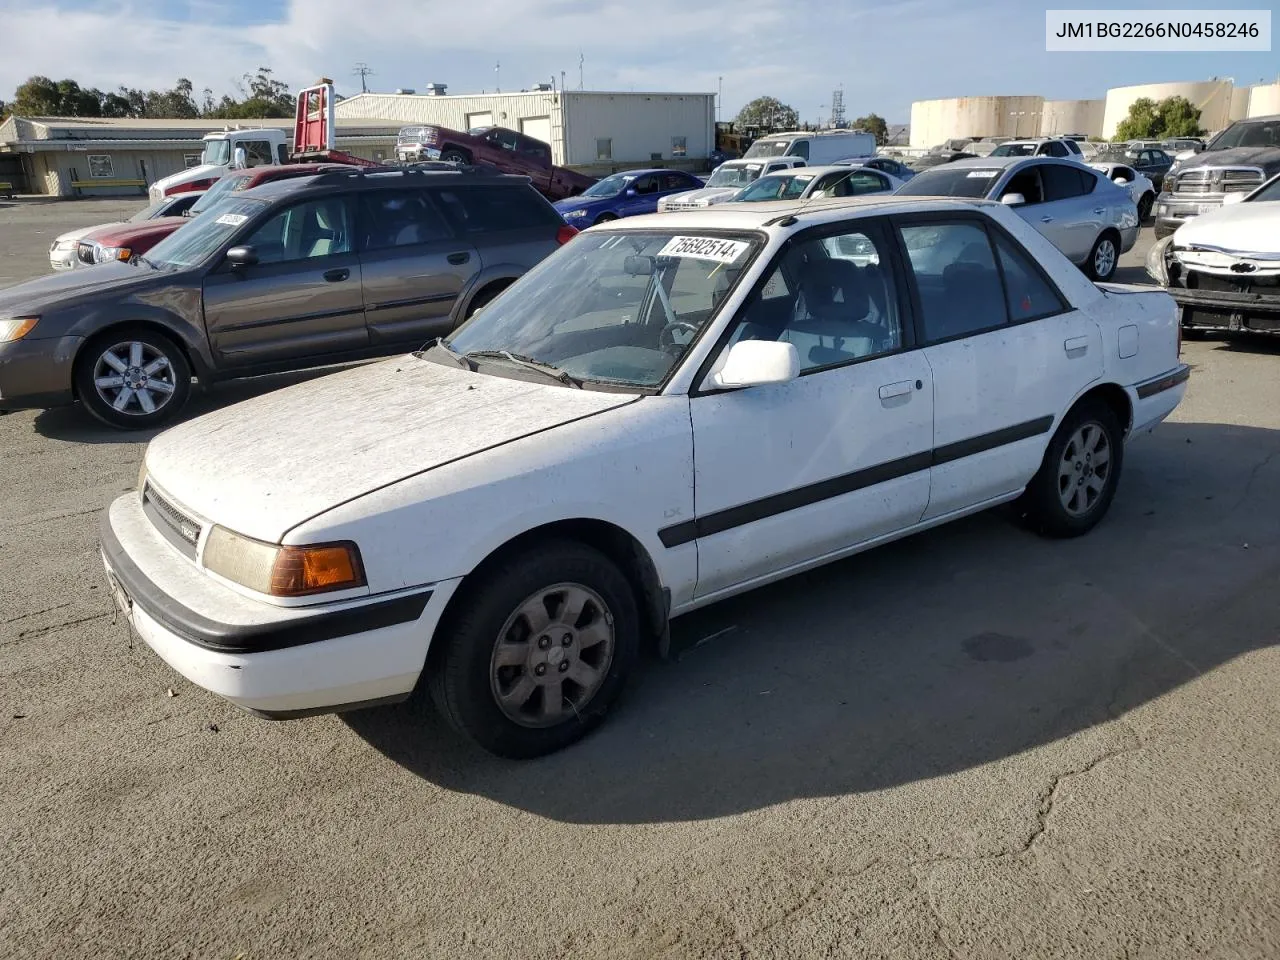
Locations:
(565, 234)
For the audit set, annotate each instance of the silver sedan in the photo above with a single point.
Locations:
(1079, 210)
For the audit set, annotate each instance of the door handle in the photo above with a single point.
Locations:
(1046, 219)
(1076, 346)
(457, 259)
(337, 274)
(1099, 210)
(900, 389)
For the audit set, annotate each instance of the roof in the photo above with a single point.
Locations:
(339, 175)
(158, 132)
(755, 216)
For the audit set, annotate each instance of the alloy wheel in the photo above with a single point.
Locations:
(1084, 470)
(134, 378)
(1104, 258)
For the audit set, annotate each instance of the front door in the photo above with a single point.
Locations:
(790, 473)
(1007, 351)
(414, 264)
(301, 300)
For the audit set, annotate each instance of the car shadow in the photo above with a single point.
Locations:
(75, 423)
(949, 650)
(1259, 343)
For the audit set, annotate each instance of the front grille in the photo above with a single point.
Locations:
(174, 525)
(1266, 286)
(1213, 180)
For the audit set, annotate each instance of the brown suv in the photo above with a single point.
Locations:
(303, 272)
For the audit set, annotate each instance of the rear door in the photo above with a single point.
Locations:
(301, 300)
(1007, 351)
(508, 223)
(1077, 214)
(415, 265)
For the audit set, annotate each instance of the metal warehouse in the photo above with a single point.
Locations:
(593, 131)
(71, 157)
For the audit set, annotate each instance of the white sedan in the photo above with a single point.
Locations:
(666, 412)
(1141, 190)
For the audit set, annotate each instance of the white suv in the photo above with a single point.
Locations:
(727, 181)
(1041, 147)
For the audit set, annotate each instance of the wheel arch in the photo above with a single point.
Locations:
(1114, 396)
(620, 546)
(190, 353)
(495, 281)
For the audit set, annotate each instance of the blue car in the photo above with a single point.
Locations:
(625, 194)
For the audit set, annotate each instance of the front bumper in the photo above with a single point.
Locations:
(1172, 211)
(1223, 310)
(35, 374)
(63, 258)
(415, 154)
(278, 662)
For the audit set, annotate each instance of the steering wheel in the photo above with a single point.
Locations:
(666, 338)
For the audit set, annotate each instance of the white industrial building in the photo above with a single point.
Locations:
(1219, 100)
(589, 130)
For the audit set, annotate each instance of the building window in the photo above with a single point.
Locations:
(678, 147)
(604, 149)
(100, 166)
(380, 155)
(190, 160)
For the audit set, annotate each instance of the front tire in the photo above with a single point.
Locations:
(605, 218)
(534, 653)
(1103, 258)
(454, 156)
(133, 378)
(1074, 487)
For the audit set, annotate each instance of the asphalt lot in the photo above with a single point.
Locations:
(970, 744)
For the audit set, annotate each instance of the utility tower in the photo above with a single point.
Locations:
(363, 70)
(838, 118)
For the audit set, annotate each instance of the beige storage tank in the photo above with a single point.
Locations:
(1213, 97)
(935, 121)
(1061, 117)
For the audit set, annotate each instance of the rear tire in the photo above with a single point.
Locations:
(1145, 203)
(1077, 480)
(133, 378)
(1103, 258)
(555, 624)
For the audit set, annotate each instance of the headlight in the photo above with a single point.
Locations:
(107, 254)
(16, 328)
(283, 571)
(575, 213)
(1156, 266)
(142, 473)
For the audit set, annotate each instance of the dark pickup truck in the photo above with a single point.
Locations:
(505, 149)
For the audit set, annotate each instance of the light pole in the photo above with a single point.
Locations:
(719, 97)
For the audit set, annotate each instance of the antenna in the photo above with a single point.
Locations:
(561, 81)
(497, 76)
(363, 70)
(581, 60)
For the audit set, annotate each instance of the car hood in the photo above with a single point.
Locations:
(72, 236)
(264, 466)
(1268, 158)
(570, 204)
(124, 234)
(36, 295)
(1247, 228)
(710, 194)
(190, 174)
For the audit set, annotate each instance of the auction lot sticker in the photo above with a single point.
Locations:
(704, 248)
(232, 219)
(1129, 31)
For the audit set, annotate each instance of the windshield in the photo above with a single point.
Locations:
(149, 213)
(1014, 150)
(768, 148)
(203, 236)
(1255, 133)
(609, 186)
(735, 175)
(220, 189)
(1268, 192)
(781, 186)
(216, 151)
(951, 182)
(613, 307)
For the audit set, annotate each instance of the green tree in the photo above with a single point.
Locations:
(873, 123)
(768, 113)
(1149, 120)
(263, 96)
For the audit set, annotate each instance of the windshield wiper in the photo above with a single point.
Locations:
(143, 260)
(549, 370)
(459, 360)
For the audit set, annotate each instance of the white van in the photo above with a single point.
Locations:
(816, 147)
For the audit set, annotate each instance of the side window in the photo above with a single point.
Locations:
(1125, 173)
(831, 298)
(305, 231)
(645, 185)
(257, 152)
(1026, 182)
(865, 182)
(399, 218)
(282, 154)
(1072, 147)
(1028, 294)
(1054, 149)
(1063, 183)
(479, 210)
(831, 185)
(506, 139)
(956, 277)
(676, 181)
(799, 149)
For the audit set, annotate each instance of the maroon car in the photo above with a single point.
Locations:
(505, 149)
(121, 241)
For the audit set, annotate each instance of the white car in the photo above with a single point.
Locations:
(726, 182)
(668, 411)
(1139, 186)
(809, 183)
(65, 255)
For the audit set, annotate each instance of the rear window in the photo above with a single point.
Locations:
(495, 209)
(952, 182)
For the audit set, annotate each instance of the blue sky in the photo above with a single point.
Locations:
(885, 54)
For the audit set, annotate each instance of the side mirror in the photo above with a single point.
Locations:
(241, 257)
(1013, 199)
(638, 266)
(240, 159)
(1231, 198)
(1198, 147)
(757, 363)
(631, 191)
